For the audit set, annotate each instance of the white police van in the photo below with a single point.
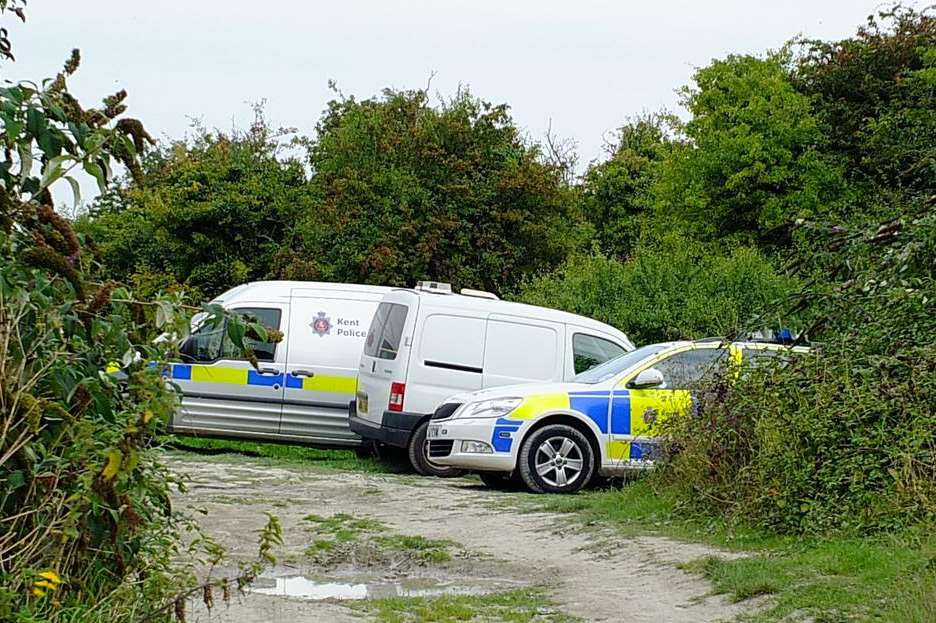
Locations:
(428, 343)
(302, 386)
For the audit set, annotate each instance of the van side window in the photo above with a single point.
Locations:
(589, 351)
(386, 331)
(204, 344)
(687, 369)
(269, 318)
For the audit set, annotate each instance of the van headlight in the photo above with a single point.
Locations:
(498, 407)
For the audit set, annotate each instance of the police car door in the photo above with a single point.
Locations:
(223, 393)
(326, 336)
(638, 408)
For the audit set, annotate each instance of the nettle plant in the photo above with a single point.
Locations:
(87, 527)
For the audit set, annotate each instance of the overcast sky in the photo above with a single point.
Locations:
(584, 65)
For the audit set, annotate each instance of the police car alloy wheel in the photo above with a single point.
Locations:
(556, 459)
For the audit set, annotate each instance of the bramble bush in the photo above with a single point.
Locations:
(842, 439)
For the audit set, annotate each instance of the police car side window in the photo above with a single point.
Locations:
(589, 351)
(687, 369)
(270, 318)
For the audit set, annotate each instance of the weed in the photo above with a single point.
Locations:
(344, 527)
(518, 606)
(420, 548)
(348, 537)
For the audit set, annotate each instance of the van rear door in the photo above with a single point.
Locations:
(385, 357)
(326, 335)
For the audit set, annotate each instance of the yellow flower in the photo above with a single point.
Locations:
(49, 581)
(114, 457)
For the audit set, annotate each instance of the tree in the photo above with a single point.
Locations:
(755, 159)
(668, 288)
(616, 192)
(875, 94)
(406, 191)
(208, 214)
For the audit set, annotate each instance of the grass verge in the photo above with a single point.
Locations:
(881, 578)
(518, 606)
(344, 460)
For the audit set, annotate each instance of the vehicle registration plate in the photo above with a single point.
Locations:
(435, 432)
(362, 403)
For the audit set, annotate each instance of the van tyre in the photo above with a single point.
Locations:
(556, 459)
(419, 458)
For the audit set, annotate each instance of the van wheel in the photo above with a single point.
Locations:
(419, 458)
(556, 459)
(367, 450)
(501, 481)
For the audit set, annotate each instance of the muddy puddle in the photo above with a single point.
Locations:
(311, 587)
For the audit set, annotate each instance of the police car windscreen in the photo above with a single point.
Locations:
(615, 366)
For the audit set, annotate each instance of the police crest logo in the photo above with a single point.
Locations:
(321, 324)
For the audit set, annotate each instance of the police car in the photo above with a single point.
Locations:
(555, 437)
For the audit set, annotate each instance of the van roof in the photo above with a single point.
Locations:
(479, 304)
(268, 290)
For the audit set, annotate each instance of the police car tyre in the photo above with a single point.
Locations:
(556, 459)
(418, 455)
(502, 481)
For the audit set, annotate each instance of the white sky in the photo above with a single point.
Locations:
(585, 65)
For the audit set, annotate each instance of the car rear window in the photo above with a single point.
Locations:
(386, 331)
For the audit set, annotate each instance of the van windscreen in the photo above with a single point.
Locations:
(386, 331)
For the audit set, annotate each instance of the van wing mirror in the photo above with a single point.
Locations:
(646, 379)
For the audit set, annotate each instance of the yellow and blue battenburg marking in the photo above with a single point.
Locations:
(248, 376)
(624, 417)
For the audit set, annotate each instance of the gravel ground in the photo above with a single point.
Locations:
(496, 546)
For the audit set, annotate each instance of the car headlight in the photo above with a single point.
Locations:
(498, 407)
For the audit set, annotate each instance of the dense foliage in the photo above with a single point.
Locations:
(205, 214)
(845, 439)
(668, 289)
(399, 191)
(88, 530)
(616, 194)
(411, 191)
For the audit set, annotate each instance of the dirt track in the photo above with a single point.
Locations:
(498, 547)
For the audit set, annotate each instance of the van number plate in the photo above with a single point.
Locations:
(362, 403)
